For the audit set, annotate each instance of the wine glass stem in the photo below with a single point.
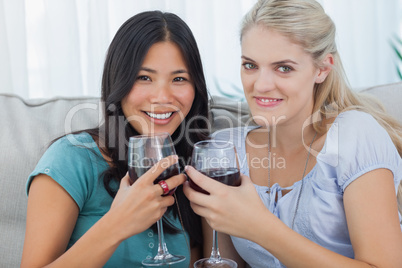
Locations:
(215, 249)
(162, 249)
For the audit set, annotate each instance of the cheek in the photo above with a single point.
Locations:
(247, 82)
(133, 100)
(244, 78)
(137, 95)
(125, 105)
(186, 98)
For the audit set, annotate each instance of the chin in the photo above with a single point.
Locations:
(160, 130)
(150, 129)
(261, 120)
(154, 131)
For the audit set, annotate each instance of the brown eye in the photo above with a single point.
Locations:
(179, 79)
(143, 77)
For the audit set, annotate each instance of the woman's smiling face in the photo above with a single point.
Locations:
(163, 92)
(278, 77)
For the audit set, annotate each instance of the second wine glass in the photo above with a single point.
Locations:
(144, 151)
(217, 160)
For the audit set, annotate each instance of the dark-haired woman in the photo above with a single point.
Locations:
(82, 209)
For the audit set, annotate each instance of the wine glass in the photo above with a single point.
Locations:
(144, 151)
(217, 160)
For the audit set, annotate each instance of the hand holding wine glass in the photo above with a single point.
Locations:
(145, 151)
(132, 205)
(217, 160)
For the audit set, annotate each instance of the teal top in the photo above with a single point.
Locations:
(76, 163)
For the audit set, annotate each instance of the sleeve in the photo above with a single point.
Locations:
(222, 134)
(69, 164)
(356, 144)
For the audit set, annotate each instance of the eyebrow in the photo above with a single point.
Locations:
(287, 61)
(180, 71)
(284, 62)
(246, 58)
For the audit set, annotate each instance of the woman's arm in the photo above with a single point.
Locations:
(52, 215)
(373, 222)
(371, 213)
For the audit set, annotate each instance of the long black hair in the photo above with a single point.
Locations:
(123, 61)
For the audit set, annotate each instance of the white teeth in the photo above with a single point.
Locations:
(269, 100)
(159, 116)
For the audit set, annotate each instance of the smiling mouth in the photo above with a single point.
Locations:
(160, 116)
(265, 100)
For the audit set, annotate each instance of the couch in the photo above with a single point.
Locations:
(28, 125)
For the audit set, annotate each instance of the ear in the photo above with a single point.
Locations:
(326, 68)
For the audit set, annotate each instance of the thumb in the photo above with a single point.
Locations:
(125, 181)
(246, 182)
(207, 184)
(245, 179)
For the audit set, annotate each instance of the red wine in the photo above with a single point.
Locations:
(228, 176)
(136, 172)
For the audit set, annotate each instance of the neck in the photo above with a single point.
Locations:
(283, 138)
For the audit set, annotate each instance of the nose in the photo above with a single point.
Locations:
(264, 82)
(162, 94)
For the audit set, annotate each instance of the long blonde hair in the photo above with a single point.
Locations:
(305, 23)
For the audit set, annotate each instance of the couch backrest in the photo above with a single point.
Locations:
(27, 129)
(391, 97)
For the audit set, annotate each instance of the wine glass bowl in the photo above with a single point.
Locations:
(145, 151)
(217, 160)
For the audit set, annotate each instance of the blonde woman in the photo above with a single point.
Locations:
(322, 166)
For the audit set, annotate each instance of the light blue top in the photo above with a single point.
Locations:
(77, 169)
(355, 144)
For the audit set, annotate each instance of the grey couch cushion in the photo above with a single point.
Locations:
(391, 97)
(27, 129)
(29, 125)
